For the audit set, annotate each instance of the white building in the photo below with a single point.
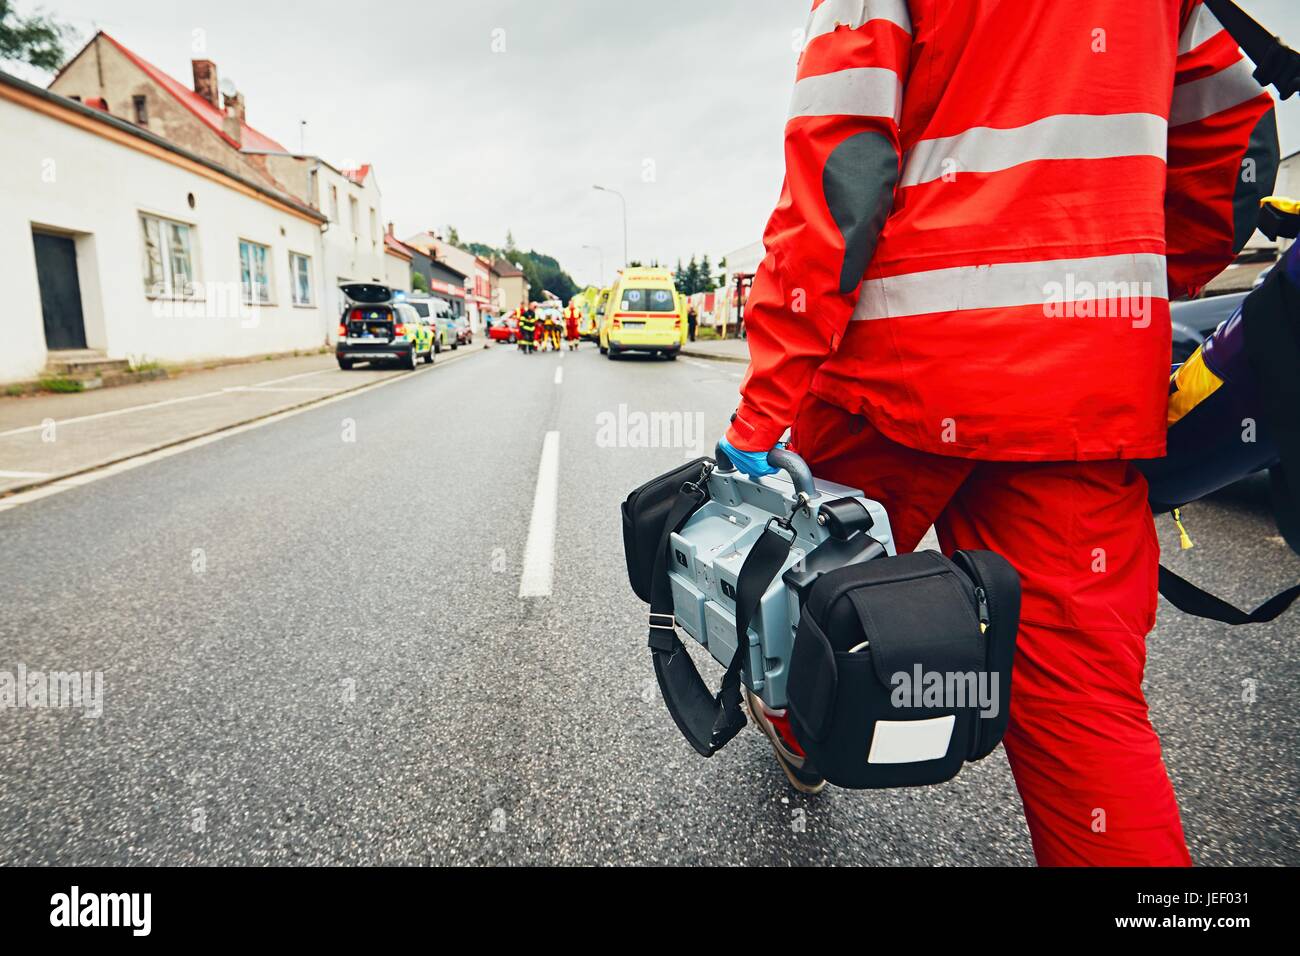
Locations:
(397, 265)
(354, 249)
(479, 304)
(117, 241)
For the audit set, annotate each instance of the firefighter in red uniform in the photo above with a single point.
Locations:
(572, 317)
(964, 310)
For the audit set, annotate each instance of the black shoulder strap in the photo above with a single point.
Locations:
(1187, 597)
(708, 721)
(1275, 62)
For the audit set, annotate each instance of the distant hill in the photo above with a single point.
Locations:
(542, 271)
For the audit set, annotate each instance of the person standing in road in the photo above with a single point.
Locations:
(964, 310)
(572, 318)
(527, 329)
(692, 319)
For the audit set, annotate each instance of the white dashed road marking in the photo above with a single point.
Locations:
(539, 554)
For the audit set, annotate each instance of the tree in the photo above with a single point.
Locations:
(36, 40)
(453, 236)
(418, 284)
(707, 283)
(511, 248)
(692, 277)
(680, 278)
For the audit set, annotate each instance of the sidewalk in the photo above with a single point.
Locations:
(44, 438)
(720, 350)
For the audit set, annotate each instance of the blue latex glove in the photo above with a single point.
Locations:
(752, 463)
(1292, 263)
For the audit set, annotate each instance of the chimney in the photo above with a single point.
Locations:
(232, 125)
(390, 231)
(205, 81)
(236, 103)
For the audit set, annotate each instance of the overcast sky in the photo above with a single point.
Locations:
(501, 114)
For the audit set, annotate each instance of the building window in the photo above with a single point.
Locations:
(354, 212)
(374, 232)
(168, 257)
(300, 269)
(334, 204)
(141, 110)
(254, 273)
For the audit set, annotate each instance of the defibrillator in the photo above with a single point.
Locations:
(794, 586)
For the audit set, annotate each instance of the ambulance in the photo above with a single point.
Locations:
(643, 314)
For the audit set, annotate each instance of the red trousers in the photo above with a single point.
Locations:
(1081, 746)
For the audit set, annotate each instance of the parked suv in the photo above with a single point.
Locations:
(448, 334)
(429, 310)
(379, 327)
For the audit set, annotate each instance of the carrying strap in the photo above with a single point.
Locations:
(1187, 597)
(1275, 62)
(706, 720)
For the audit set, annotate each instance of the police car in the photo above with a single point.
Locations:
(379, 326)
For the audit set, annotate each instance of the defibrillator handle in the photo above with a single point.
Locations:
(786, 460)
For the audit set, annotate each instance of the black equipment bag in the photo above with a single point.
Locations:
(873, 640)
(957, 617)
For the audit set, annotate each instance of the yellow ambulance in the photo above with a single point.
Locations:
(643, 314)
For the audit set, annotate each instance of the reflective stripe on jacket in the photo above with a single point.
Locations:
(986, 209)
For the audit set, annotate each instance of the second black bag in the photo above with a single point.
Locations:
(901, 668)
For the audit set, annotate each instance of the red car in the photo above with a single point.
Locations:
(504, 330)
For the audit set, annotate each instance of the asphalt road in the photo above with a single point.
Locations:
(315, 652)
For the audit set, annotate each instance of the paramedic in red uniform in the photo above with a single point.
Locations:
(964, 310)
(571, 318)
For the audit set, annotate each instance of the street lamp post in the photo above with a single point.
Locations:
(601, 253)
(606, 189)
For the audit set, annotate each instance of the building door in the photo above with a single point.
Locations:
(56, 271)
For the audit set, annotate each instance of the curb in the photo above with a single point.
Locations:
(153, 449)
(715, 357)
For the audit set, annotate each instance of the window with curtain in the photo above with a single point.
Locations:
(254, 272)
(300, 269)
(168, 257)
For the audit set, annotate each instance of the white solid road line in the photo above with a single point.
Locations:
(150, 405)
(115, 412)
(263, 388)
(129, 464)
(23, 474)
(293, 378)
(559, 375)
(539, 554)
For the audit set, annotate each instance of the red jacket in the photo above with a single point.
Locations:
(987, 206)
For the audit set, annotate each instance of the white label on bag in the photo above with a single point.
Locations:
(911, 741)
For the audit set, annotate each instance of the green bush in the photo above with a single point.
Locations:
(62, 385)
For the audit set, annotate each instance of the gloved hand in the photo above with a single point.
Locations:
(752, 463)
